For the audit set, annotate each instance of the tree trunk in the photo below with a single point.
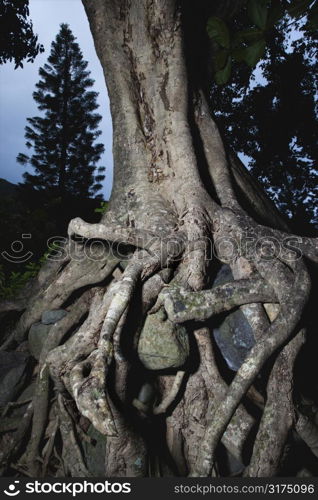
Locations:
(179, 196)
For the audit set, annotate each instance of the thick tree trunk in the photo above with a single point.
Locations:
(177, 195)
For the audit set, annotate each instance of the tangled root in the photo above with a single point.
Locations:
(81, 366)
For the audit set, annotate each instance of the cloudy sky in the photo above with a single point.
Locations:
(17, 86)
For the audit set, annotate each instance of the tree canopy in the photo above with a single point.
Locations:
(17, 39)
(272, 117)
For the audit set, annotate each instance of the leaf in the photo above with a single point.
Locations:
(238, 54)
(220, 58)
(257, 12)
(218, 31)
(103, 207)
(222, 76)
(253, 53)
(250, 35)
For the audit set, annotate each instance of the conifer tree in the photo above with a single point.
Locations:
(63, 140)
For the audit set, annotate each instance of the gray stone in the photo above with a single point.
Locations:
(162, 344)
(146, 393)
(51, 317)
(224, 275)
(94, 452)
(37, 335)
(13, 373)
(234, 336)
(231, 466)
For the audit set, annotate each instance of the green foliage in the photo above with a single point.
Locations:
(218, 31)
(257, 11)
(17, 40)
(250, 35)
(102, 208)
(250, 54)
(273, 123)
(65, 153)
(12, 284)
(249, 43)
(24, 210)
(222, 75)
(9, 287)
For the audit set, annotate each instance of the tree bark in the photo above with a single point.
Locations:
(177, 196)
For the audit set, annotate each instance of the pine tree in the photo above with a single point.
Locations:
(63, 140)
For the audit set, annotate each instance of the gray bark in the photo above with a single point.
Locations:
(174, 196)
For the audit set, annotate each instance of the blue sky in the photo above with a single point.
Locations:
(17, 86)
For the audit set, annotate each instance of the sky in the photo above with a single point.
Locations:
(17, 86)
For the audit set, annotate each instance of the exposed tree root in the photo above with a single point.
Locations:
(182, 305)
(166, 221)
(278, 416)
(49, 447)
(276, 335)
(170, 398)
(308, 431)
(242, 422)
(77, 274)
(14, 441)
(89, 391)
(81, 367)
(71, 454)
